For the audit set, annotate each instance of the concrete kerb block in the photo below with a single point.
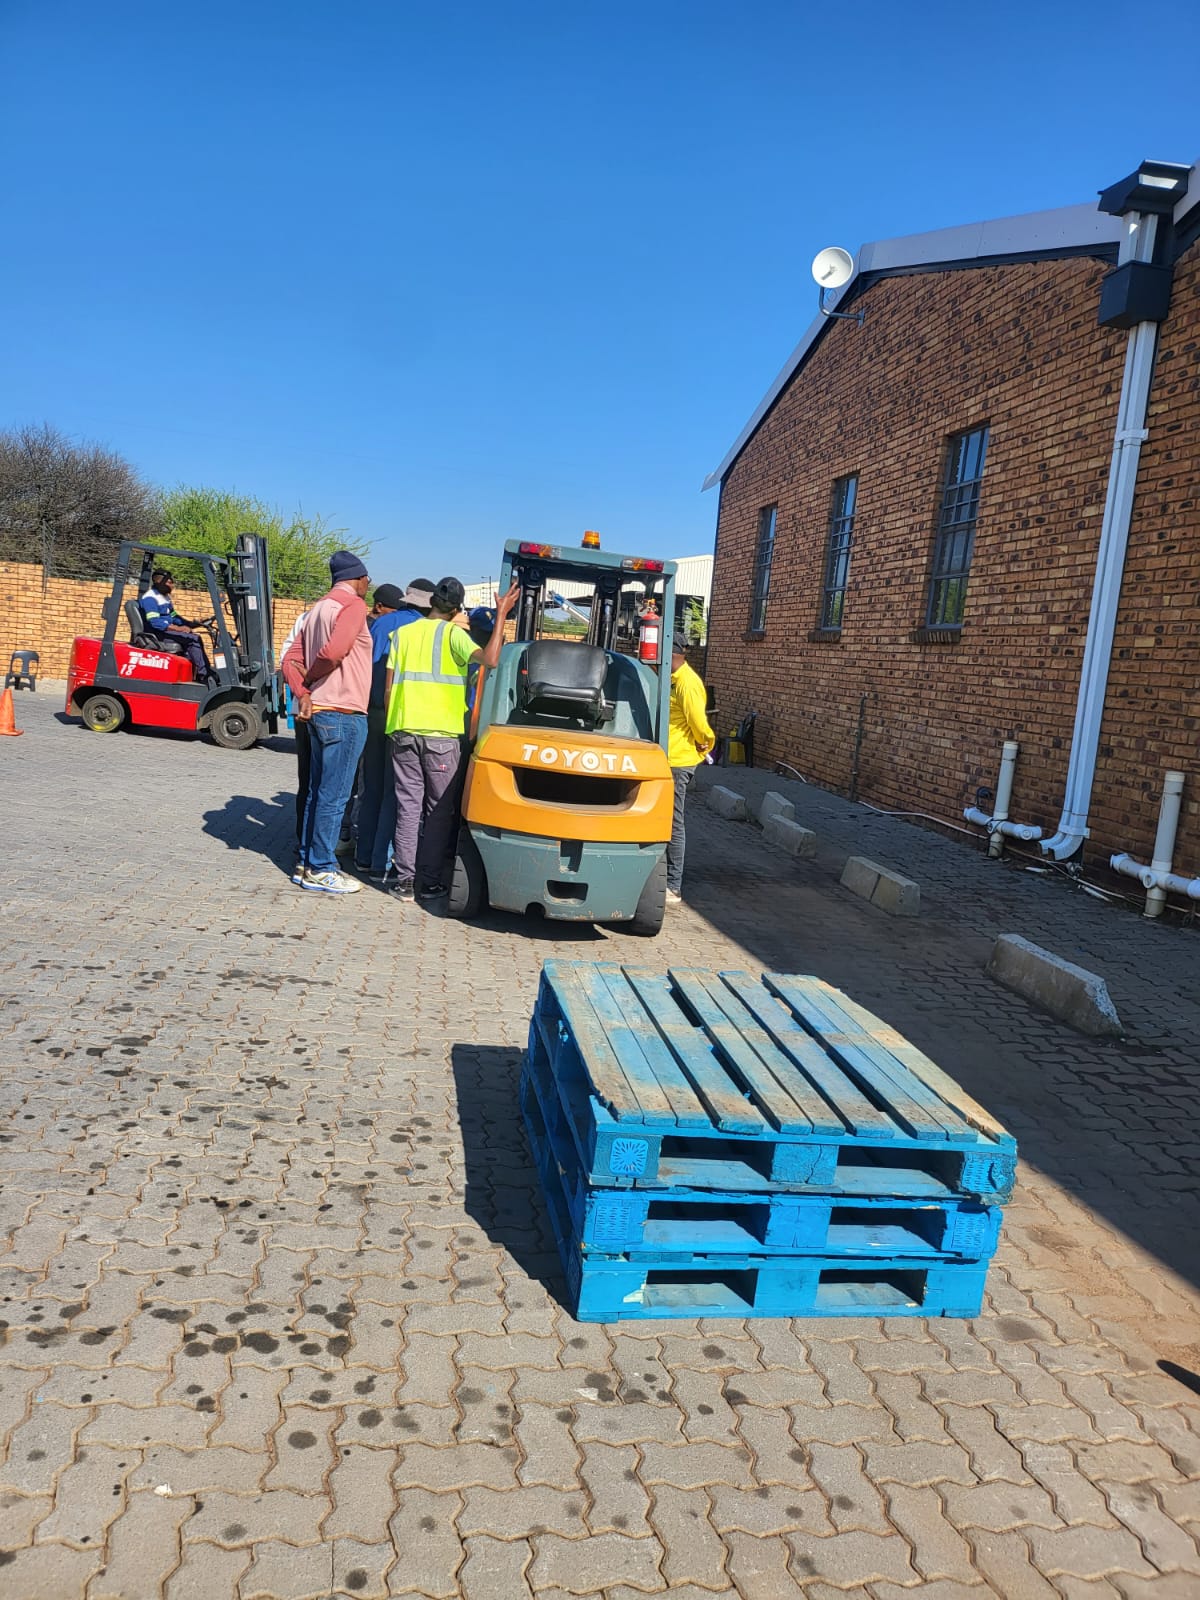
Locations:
(1072, 994)
(897, 895)
(773, 804)
(727, 803)
(790, 836)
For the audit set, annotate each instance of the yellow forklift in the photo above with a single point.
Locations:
(568, 799)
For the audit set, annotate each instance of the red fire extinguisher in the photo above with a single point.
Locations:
(649, 634)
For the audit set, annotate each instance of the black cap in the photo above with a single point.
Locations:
(679, 645)
(387, 594)
(448, 596)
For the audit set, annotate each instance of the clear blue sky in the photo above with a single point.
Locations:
(453, 273)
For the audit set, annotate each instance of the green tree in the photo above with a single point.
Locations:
(209, 520)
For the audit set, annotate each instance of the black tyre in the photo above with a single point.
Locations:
(103, 713)
(652, 902)
(468, 883)
(235, 726)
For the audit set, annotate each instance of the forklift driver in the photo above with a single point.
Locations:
(162, 617)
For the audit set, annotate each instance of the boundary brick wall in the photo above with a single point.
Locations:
(1015, 346)
(49, 619)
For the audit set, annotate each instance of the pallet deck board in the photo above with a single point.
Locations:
(697, 1077)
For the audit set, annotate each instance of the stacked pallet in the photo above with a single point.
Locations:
(712, 1146)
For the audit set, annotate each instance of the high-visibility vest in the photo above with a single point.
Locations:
(427, 689)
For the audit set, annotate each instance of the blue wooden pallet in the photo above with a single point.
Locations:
(665, 1225)
(619, 1288)
(711, 1080)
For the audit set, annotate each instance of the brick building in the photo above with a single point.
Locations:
(911, 525)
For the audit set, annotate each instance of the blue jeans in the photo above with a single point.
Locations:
(337, 739)
(377, 809)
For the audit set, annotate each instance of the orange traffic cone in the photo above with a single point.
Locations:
(8, 723)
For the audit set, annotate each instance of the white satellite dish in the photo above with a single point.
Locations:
(832, 267)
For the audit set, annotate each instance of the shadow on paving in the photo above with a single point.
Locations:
(249, 822)
(1114, 1122)
(502, 1191)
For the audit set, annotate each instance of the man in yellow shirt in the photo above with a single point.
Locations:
(691, 740)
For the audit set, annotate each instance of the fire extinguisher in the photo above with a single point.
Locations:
(649, 634)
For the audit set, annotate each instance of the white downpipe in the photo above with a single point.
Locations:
(1137, 245)
(1157, 879)
(998, 826)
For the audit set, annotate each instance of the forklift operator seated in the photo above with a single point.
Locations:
(162, 618)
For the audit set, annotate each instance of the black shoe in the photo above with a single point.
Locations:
(433, 891)
(403, 889)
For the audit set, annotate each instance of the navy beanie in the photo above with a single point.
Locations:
(345, 566)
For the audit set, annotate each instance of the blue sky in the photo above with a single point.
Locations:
(453, 273)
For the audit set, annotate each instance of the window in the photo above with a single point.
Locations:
(956, 529)
(837, 552)
(764, 550)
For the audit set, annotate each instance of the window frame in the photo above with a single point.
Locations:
(954, 532)
(838, 540)
(760, 578)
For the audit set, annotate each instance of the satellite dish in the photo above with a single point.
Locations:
(832, 267)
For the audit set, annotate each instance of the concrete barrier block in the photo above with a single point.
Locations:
(773, 804)
(890, 891)
(1072, 994)
(790, 836)
(727, 803)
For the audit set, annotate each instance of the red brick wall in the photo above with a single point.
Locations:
(1016, 347)
(47, 618)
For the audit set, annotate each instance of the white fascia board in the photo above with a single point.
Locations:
(1067, 228)
(1192, 198)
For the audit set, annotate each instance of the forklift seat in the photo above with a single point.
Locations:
(145, 638)
(565, 679)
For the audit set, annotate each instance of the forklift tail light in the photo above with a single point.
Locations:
(547, 552)
(641, 564)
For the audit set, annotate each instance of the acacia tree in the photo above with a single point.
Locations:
(299, 548)
(66, 505)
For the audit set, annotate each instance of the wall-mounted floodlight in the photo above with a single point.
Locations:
(832, 268)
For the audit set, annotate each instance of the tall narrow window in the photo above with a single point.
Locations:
(764, 550)
(956, 529)
(837, 552)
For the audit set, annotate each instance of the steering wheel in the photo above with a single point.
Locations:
(210, 623)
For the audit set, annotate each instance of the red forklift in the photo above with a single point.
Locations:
(146, 682)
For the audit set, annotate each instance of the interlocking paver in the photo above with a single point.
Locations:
(50, 1571)
(283, 1196)
(604, 1560)
(143, 1547)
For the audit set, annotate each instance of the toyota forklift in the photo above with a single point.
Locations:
(569, 798)
(145, 680)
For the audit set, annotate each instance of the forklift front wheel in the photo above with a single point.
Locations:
(468, 885)
(652, 902)
(235, 726)
(102, 713)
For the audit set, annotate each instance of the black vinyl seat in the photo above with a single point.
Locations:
(145, 638)
(565, 680)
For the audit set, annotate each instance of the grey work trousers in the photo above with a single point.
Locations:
(682, 776)
(429, 774)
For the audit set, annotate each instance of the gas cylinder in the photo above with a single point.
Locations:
(649, 634)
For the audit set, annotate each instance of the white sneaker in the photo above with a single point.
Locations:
(331, 883)
(674, 899)
(298, 872)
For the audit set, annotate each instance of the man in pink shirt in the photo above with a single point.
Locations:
(328, 669)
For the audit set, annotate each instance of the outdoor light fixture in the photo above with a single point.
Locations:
(1156, 187)
(832, 268)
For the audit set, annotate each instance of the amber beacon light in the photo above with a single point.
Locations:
(591, 540)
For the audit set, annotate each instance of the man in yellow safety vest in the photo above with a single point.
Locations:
(426, 721)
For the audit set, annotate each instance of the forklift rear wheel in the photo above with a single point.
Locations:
(652, 902)
(468, 885)
(102, 713)
(235, 726)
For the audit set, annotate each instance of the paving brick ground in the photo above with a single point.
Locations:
(279, 1314)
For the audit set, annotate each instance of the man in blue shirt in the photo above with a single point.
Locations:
(377, 809)
(162, 617)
